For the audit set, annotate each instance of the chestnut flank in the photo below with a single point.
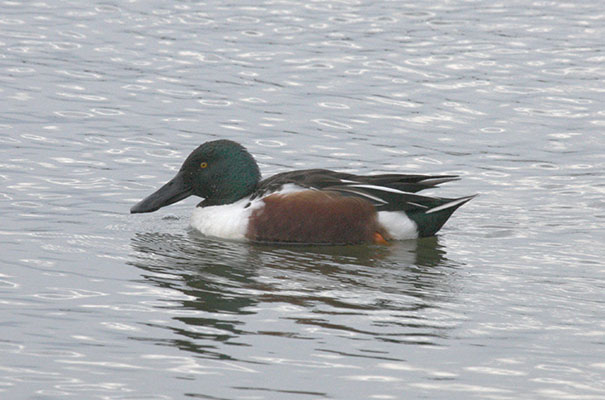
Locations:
(314, 217)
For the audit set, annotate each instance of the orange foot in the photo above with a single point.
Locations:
(379, 239)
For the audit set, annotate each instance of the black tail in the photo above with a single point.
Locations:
(429, 221)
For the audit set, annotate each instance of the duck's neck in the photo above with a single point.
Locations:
(228, 196)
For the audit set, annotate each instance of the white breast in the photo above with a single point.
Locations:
(229, 221)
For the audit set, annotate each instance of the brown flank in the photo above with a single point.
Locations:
(315, 217)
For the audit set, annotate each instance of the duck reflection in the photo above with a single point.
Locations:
(387, 289)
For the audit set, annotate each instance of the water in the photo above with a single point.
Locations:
(102, 102)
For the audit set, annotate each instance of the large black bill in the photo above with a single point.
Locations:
(175, 190)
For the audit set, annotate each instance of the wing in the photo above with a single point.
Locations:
(322, 179)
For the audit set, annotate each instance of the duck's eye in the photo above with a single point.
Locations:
(204, 164)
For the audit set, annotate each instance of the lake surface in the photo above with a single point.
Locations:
(102, 102)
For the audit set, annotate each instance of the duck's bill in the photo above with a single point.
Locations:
(175, 190)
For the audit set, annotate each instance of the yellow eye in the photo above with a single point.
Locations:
(204, 164)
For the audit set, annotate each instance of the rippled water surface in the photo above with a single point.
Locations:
(102, 102)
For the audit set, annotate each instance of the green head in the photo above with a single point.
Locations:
(220, 171)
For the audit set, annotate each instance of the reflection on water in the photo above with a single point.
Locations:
(388, 289)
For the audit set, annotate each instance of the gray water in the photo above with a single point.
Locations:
(102, 102)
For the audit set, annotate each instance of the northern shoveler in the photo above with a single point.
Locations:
(311, 206)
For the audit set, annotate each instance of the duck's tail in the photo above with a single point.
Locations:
(430, 220)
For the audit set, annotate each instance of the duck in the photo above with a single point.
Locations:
(309, 206)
